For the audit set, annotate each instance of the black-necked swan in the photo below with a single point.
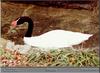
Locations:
(51, 39)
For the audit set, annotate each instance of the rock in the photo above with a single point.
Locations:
(3, 43)
(23, 49)
(10, 45)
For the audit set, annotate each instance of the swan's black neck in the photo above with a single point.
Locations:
(30, 28)
(23, 19)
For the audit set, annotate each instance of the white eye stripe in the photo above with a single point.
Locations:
(17, 19)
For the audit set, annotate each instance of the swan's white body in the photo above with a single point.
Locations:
(57, 39)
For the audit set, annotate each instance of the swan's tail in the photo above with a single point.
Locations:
(89, 35)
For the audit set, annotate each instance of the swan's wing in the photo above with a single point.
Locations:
(61, 35)
(57, 39)
(63, 38)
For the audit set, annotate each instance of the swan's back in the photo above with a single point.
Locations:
(58, 39)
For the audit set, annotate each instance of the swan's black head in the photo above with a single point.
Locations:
(21, 20)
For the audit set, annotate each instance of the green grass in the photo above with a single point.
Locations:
(57, 58)
(65, 58)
